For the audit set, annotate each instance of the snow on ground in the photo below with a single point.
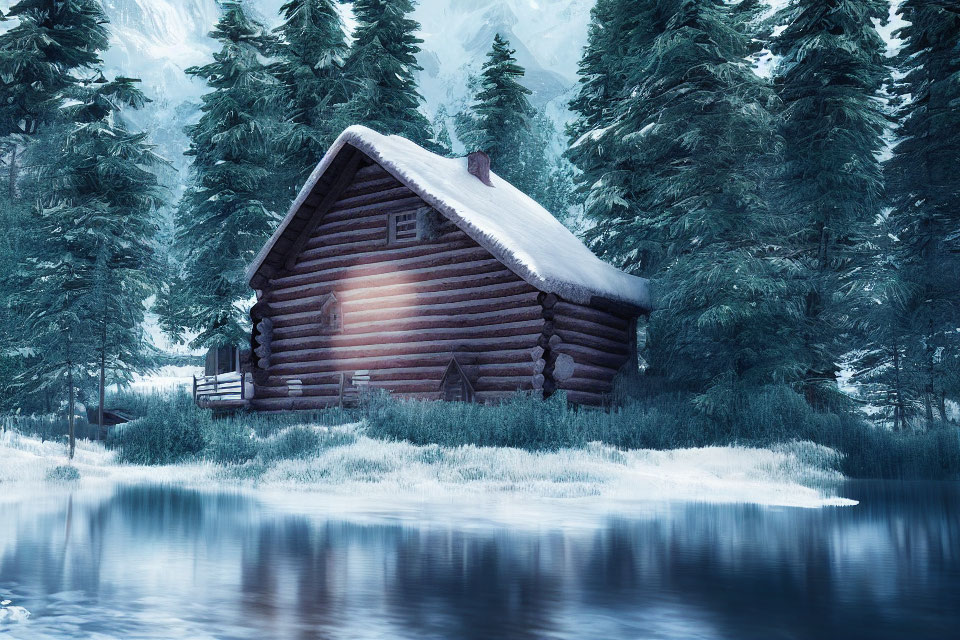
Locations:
(12, 613)
(795, 474)
(164, 379)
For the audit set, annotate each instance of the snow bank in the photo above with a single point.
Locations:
(167, 378)
(796, 474)
(12, 613)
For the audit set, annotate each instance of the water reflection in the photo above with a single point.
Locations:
(167, 562)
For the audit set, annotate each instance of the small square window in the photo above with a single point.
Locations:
(403, 227)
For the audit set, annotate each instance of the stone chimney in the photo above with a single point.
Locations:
(478, 164)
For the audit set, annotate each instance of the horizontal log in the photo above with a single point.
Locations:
(365, 246)
(586, 384)
(306, 324)
(390, 254)
(497, 296)
(589, 356)
(334, 224)
(455, 344)
(399, 386)
(432, 322)
(283, 391)
(507, 357)
(370, 171)
(589, 313)
(567, 323)
(592, 371)
(506, 383)
(346, 281)
(379, 286)
(594, 342)
(475, 307)
(517, 333)
(371, 185)
(410, 203)
(348, 201)
(433, 373)
(429, 260)
(376, 235)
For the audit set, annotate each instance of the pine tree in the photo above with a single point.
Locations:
(832, 125)
(53, 39)
(229, 209)
(91, 276)
(604, 65)
(381, 68)
(924, 189)
(312, 50)
(517, 137)
(501, 110)
(619, 31)
(882, 369)
(39, 60)
(682, 200)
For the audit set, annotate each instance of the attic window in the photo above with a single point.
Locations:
(403, 227)
(331, 316)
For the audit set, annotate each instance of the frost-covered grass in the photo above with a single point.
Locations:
(646, 419)
(343, 461)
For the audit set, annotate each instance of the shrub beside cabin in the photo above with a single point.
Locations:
(429, 277)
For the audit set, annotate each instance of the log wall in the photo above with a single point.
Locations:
(585, 348)
(407, 308)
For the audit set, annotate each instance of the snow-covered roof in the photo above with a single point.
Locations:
(505, 221)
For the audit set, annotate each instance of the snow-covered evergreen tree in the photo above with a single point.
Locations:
(92, 274)
(681, 199)
(517, 137)
(381, 69)
(229, 209)
(501, 110)
(924, 189)
(619, 30)
(832, 124)
(38, 57)
(312, 49)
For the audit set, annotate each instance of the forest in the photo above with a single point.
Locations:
(786, 179)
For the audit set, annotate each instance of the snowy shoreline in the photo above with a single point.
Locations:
(792, 475)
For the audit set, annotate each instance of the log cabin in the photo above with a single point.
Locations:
(431, 278)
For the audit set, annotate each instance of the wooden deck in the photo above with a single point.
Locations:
(226, 391)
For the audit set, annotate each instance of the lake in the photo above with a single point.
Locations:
(166, 562)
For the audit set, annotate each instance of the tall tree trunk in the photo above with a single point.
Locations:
(929, 386)
(103, 368)
(899, 411)
(70, 419)
(13, 174)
